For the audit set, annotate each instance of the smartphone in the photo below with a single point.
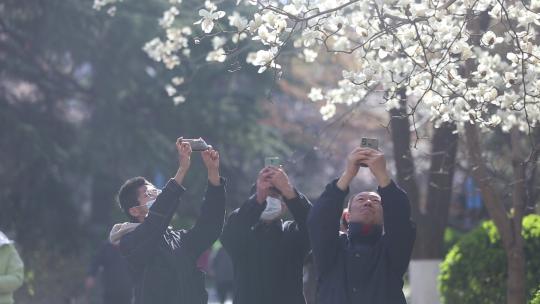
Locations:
(272, 161)
(372, 143)
(197, 144)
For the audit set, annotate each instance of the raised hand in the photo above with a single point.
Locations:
(281, 182)
(210, 158)
(264, 184)
(376, 162)
(184, 153)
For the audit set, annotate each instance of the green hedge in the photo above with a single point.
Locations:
(451, 237)
(474, 271)
(536, 299)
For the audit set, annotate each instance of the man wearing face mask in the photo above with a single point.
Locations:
(162, 260)
(364, 264)
(268, 253)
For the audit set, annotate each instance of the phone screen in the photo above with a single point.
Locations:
(272, 161)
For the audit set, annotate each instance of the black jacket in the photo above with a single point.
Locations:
(361, 274)
(267, 258)
(162, 260)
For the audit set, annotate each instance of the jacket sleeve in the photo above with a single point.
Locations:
(14, 275)
(210, 222)
(299, 207)
(399, 231)
(239, 225)
(138, 245)
(323, 226)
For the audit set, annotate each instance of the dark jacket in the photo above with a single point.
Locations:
(361, 274)
(267, 258)
(162, 260)
(115, 277)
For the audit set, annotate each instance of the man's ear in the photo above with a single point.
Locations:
(346, 215)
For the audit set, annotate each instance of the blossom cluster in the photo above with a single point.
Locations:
(464, 61)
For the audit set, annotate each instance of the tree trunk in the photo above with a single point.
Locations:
(509, 227)
(516, 291)
(439, 196)
(432, 222)
(401, 139)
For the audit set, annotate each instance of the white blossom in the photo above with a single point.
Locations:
(315, 94)
(446, 72)
(171, 91)
(168, 17)
(490, 39)
(177, 81)
(208, 18)
(265, 59)
(179, 99)
(218, 55)
(328, 111)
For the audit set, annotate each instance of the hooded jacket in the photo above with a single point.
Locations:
(162, 260)
(361, 270)
(11, 270)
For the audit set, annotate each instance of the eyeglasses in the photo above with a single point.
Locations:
(152, 192)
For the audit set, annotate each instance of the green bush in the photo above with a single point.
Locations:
(451, 237)
(536, 299)
(474, 271)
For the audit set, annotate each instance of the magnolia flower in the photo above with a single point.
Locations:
(177, 81)
(526, 19)
(513, 58)
(255, 23)
(490, 39)
(490, 95)
(494, 120)
(463, 49)
(510, 79)
(168, 17)
(171, 61)
(99, 4)
(218, 55)
(265, 59)
(218, 42)
(111, 11)
(295, 8)
(178, 100)
(153, 49)
(238, 21)
(315, 94)
(309, 37)
(250, 58)
(208, 18)
(310, 55)
(328, 111)
(171, 91)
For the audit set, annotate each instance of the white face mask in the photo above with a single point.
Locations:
(150, 203)
(154, 194)
(272, 210)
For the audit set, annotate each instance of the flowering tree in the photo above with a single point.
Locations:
(471, 63)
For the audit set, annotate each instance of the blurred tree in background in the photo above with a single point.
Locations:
(81, 111)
